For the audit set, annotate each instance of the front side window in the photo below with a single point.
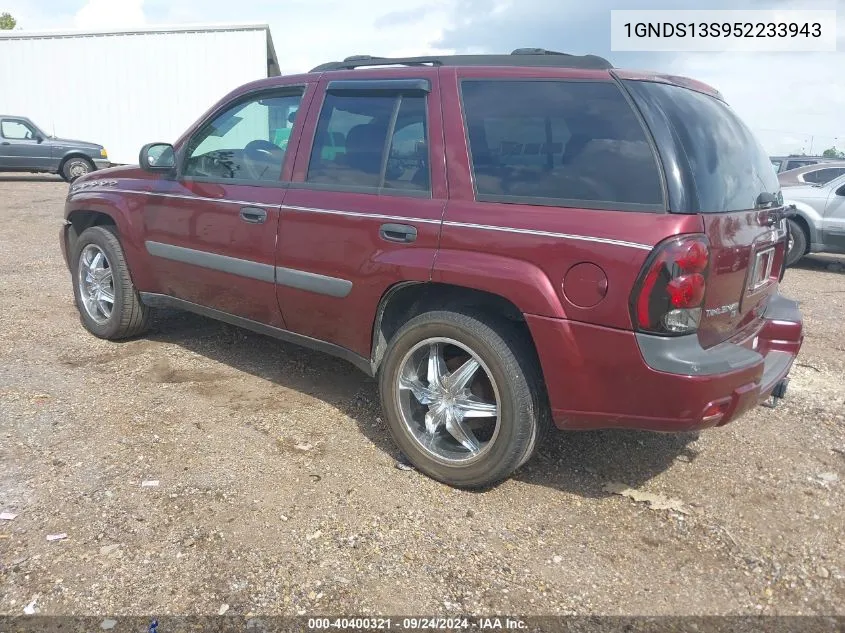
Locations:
(375, 141)
(566, 143)
(246, 142)
(17, 131)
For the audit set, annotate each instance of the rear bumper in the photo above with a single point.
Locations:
(603, 378)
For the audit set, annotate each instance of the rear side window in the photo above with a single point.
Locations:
(821, 176)
(371, 142)
(725, 163)
(563, 143)
(796, 164)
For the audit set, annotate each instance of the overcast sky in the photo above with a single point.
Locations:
(786, 98)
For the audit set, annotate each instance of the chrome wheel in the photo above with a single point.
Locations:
(448, 400)
(96, 283)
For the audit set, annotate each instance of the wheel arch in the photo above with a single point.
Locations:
(82, 214)
(74, 154)
(807, 217)
(403, 301)
(82, 219)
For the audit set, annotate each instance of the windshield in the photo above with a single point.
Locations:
(725, 164)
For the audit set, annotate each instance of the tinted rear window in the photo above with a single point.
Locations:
(565, 143)
(728, 167)
(822, 176)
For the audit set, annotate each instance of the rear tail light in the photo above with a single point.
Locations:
(669, 293)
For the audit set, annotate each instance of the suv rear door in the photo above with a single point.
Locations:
(716, 169)
(365, 206)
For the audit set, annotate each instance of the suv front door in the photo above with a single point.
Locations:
(211, 230)
(22, 148)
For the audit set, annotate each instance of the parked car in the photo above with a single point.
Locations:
(25, 147)
(818, 221)
(574, 260)
(787, 163)
(817, 174)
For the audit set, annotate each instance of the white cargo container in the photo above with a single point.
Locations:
(124, 88)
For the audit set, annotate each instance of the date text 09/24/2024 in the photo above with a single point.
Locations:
(417, 624)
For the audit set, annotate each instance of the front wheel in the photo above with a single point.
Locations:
(76, 167)
(106, 299)
(463, 397)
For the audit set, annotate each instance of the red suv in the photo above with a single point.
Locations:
(504, 241)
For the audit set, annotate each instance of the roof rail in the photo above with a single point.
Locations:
(536, 51)
(519, 57)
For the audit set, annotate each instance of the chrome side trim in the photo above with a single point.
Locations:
(399, 218)
(486, 227)
(213, 261)
(563, 236)
(356, 214)
(180, 196)
(313, 282)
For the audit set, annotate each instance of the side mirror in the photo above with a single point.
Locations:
(39, 138)
(158, 157)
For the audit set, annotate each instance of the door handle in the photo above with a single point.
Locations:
(403, 233)
(253, 215)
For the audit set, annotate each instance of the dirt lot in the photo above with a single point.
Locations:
(279, 493)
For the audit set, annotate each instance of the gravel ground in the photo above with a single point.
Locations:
(279, 494)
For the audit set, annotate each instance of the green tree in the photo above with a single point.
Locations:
(832, 152)
(7, 22)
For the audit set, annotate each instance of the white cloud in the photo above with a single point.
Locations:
(308, 33)
(792, 102)
(97, 14)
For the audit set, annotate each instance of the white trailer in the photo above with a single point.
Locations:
(124, 88)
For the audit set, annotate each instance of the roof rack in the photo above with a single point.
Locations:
(518, 57)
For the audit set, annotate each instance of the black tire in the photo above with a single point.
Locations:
(524, 419)
(129, 317)
(76, 167)
(799, 243)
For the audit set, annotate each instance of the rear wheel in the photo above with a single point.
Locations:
(76, 167)
(106, 299)
(797, 243)
(463, 397)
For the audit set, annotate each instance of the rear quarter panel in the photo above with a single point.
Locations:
(523, 252)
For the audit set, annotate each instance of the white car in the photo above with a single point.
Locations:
(818, 221)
